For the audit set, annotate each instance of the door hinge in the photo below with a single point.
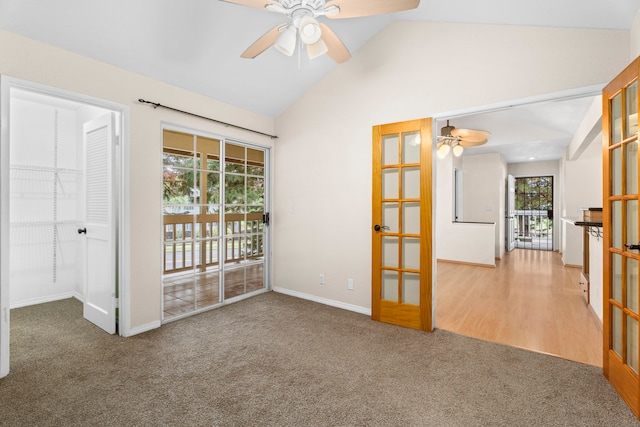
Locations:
(116, 302)
(265, 219)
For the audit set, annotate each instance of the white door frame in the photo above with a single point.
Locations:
(122, 201)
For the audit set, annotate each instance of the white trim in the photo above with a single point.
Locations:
(325, 301)
(144, 328)
(4, 226)
(581, 92)
(50, 298)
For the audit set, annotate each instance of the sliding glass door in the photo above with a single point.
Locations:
(214, 221)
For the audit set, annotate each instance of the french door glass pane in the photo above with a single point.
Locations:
(411, 217)
(390, 216)
(632, 285)
(616, 119)
(411, 183)
(411, 288)
(616, 329)
(390, 285)
(632, 110)
(616, 217)
(631, 154)
(616, 277)
(411, 147)
(632, 222)
(616, 172)
(632, 343)
(390, 150)
(390, 251)
(390, 184)
(411, 253)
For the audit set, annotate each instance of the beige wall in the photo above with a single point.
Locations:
(635, 39)
(484, 189)
(29, 60)
(322, 215)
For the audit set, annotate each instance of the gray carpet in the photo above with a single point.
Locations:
(275, 360)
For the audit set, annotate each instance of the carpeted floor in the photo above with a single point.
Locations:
(274, 360)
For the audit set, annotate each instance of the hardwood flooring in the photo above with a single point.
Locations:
(531, 300)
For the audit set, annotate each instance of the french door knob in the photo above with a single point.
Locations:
(82, 230)
(380, 227)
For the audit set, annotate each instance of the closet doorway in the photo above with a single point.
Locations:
(60, 198)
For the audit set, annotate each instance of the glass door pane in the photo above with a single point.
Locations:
(213, 210)
(244, 210)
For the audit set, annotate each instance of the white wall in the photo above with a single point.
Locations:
(634, 39)
(461, 242)
(582, 189)
(484, 191)
(29, 60)
(323, 164)
(43, 270)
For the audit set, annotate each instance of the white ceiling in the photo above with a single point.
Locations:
(196, 44)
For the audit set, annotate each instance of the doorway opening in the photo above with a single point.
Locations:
(48, 198)
(215, 218)
(533, 214)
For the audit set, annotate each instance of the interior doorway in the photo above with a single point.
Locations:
(50, 187)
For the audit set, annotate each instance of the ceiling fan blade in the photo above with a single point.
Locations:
(471, 136)
(258, 4)
(335, 48)
(263, 43)
(466, 144)
(355, 8)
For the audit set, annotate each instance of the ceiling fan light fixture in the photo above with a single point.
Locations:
(316, 49)
(443, 150)
(286, 41)
(310, 31)
(457, 150)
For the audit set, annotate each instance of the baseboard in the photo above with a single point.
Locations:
(474, 264)
(144, 328)
(325, 301)
(596, 319)
(571, 265)
(49, 298)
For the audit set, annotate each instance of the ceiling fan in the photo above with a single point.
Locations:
(316, 36)
(456, 140)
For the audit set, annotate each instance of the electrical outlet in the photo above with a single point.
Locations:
(322, 279)
(350, 284)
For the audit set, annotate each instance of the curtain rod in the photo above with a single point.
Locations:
(157, 104)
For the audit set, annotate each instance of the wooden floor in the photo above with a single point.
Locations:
(529, 301)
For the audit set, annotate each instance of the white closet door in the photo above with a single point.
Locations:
(100, 268)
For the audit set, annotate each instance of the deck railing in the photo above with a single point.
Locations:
(191, 239)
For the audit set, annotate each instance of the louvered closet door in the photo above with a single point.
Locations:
(100, 270)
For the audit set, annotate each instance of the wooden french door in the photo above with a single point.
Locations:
(402, 229)
(621, 331)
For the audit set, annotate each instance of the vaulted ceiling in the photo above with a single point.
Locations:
(196, 44)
